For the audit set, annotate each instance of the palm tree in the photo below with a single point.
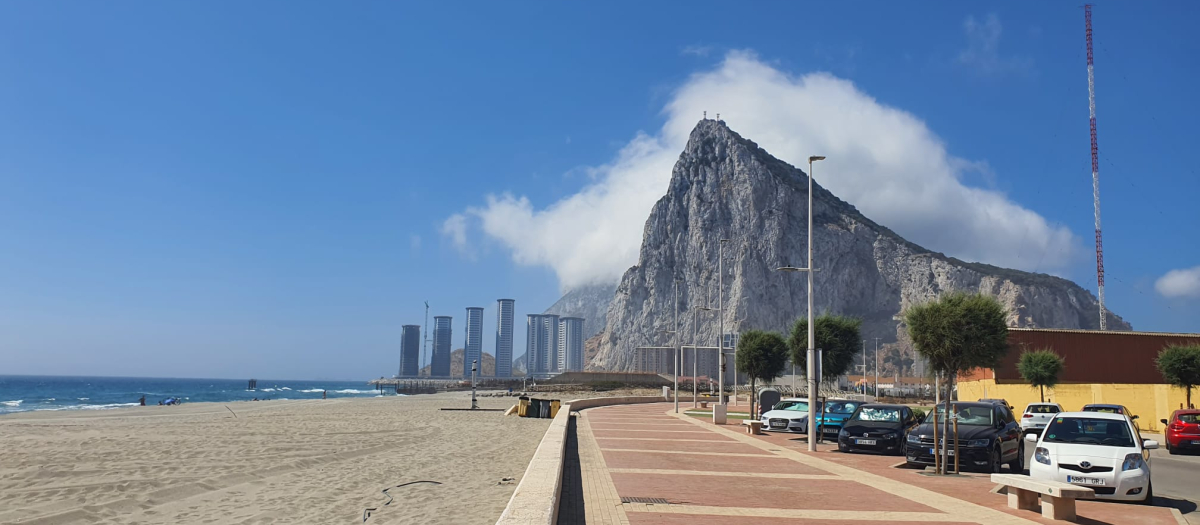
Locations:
(1041, 368)
(1180, 366)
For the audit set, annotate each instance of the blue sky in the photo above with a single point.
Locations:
(272, 189)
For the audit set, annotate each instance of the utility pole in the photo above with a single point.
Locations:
(721, 327)
(864, 366)
(876, 368)
(678, 347)
(421, 361)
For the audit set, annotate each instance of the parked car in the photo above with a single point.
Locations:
(1109, 409)
(788, 415)
(1183, 430)
(876, 427)
(1037, 415)
(834, 413)
(988, 437)
(1100, 450)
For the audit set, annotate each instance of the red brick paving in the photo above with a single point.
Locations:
(650, 460)
(627, 433)
(773, 493)
(657, 518)
(732, 447)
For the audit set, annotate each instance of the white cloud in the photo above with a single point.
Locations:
(1179, 283)
(883, 160)
(455, 227)
(696, 50)
(983, 48)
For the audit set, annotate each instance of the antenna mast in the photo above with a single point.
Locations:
(1087, 15)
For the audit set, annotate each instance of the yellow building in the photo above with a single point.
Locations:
(1101, 367)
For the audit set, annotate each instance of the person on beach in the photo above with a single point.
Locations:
(323, 392)
(142, 401)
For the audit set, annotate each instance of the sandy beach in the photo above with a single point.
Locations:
(310, 461)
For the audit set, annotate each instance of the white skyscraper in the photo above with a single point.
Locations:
(504, 337)
(570, 344)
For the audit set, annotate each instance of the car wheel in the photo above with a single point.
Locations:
(1170, 450)
(1149, 494)
(1018, 465)
(995, 463)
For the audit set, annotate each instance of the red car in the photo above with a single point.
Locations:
(1183, 430)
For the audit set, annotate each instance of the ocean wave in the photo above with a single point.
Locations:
(13, 404)
(285, 388)
(83, 398)
(49, 399)
(313, 390)
(353, 391)
(88, 407)
(266, 390)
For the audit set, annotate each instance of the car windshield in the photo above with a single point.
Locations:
(970, 415)
(1042, 409)
(798, 406)
(841, 407)
(876, 414)
(1105, 410)
(1089, 431)
(1189, 418)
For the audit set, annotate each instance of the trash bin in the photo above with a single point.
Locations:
(554, 406)
(523, 406)
(544, 407)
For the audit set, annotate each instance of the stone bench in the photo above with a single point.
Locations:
(1058, 498)
(753, 426)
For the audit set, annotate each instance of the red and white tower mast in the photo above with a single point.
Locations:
(1087, 14)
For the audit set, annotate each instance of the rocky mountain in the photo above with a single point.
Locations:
(726, 187)
(589, 302)
(487, 367)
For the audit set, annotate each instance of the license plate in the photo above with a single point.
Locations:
(933, 451)
(1197, 442)
(1084, 480)
(865, 441)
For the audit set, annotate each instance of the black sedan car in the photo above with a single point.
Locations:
(876, 428)
(988, 437)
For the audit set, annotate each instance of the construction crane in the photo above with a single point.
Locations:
(1087, 15)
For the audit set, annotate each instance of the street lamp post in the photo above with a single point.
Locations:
(721, 325)
(811, 354)
(696, 355)
(678, 346)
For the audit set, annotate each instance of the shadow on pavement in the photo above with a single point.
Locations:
(1185, 507)
(570, 507)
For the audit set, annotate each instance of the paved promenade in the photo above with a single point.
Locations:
(643, 464)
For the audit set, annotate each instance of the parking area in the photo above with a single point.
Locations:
(646, 464)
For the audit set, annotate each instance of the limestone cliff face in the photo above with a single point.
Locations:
(589, 302)
(726, 187)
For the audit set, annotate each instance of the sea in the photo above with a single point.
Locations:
(25, 393)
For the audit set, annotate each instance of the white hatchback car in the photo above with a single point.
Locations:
(1037, 415)
(1097, 450)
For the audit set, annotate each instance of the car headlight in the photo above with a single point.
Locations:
(913, 438)
(842, 433)
(1042, 455)
(1133, 461)
(978, 443)
(890, 435)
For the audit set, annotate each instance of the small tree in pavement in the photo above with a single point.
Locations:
(1180, 366)
(956, 333)
(762, 356)
(838, 338)
(1041, 369)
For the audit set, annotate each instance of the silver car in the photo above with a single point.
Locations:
(1037, 416)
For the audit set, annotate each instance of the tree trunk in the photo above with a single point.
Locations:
(1189, 397)
(946, 423)
(753, 412)
(1042, 391)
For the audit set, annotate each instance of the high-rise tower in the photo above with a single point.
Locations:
(570, 342)
(439, 364)
(473, 347)
(410, 350)
(504, 337)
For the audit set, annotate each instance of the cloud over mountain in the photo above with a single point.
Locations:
(883, 160)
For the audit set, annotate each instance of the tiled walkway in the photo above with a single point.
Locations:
(643, 464)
